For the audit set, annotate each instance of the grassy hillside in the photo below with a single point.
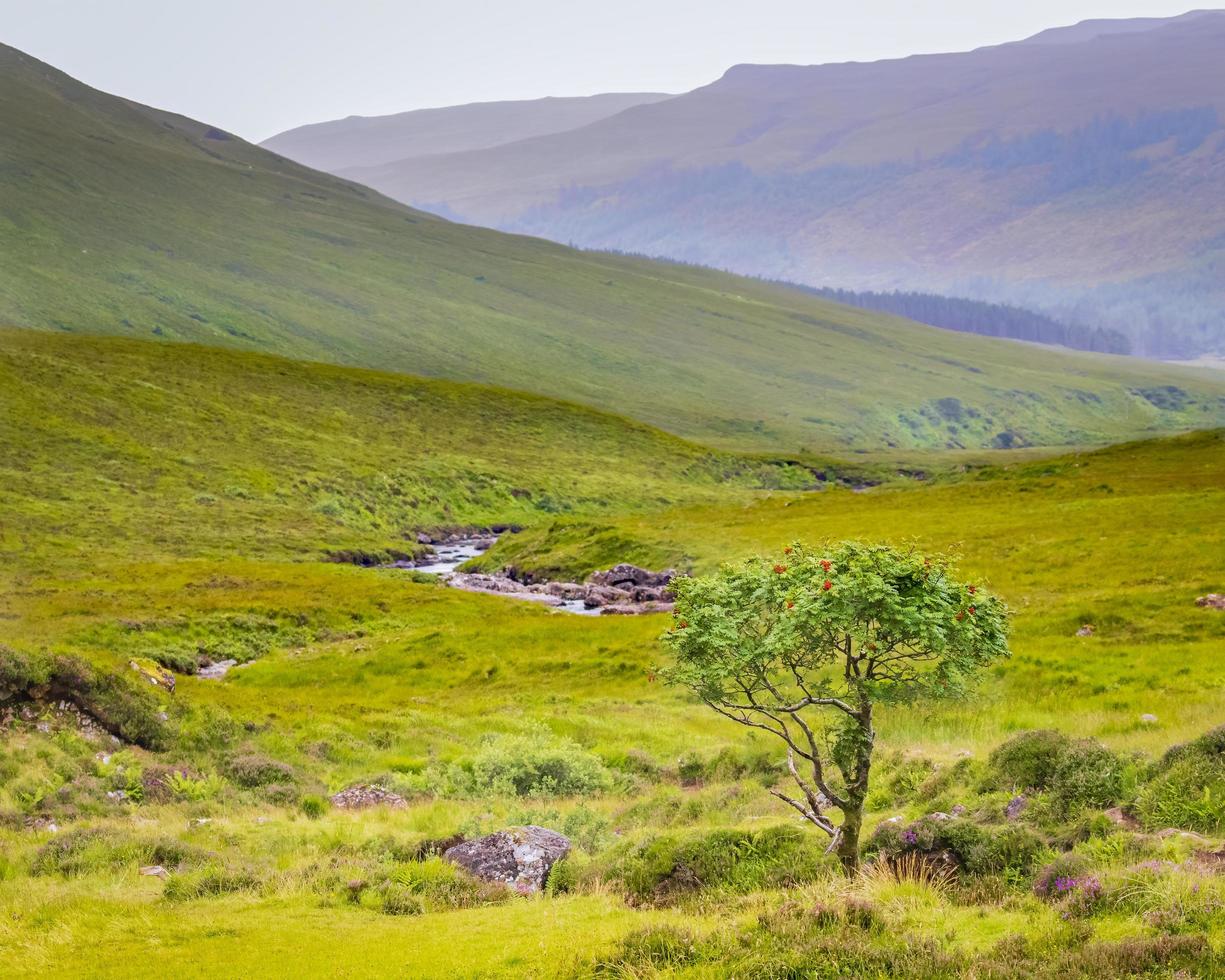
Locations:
(121, 219)
(111, 447)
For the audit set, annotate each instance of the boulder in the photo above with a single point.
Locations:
(596, 596)
(1213, 600)
(625, 576)
(1016, 806)
(635, 608)
(520, 857)
(1086, 630)
(361, 797)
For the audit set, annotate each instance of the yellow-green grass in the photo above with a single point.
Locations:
(366, 674)
(123, 219)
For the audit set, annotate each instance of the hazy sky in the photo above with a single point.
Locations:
(257, 67)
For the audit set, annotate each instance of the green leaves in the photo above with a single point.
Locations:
(858, 621)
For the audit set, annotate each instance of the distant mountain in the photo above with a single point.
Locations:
(364, 141)
(116, 218)
(1080, 172)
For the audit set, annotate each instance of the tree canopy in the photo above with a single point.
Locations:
(804, 645)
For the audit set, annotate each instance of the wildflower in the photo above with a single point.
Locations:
(909, 837)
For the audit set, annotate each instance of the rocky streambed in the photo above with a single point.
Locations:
(621, 590)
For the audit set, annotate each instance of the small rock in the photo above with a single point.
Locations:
(1213, 600)
(1120, 818)
(938, 815)
(155, 871)
(1087, 630)
(1148, 719)
(520, 857)
(361, 797)
(958, 810)
(1016, 806)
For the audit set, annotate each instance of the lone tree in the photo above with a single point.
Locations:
(805, 646)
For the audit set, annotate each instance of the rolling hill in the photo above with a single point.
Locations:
(1080, 172)
(121, 219)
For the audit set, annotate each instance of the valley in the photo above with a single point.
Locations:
(382, 595)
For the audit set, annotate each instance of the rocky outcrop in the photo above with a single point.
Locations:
(1212, 600)
(520, 857)
(361, 797)
(153, 672)
(639, 591)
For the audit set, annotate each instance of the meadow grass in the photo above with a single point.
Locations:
(362, 675)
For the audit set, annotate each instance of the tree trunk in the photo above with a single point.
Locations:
(848, 838)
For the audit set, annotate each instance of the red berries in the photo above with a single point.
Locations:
(779, 569)
(825, 564)
(960, 616)
(682, 624)
(790, 605)
(787, 550)
(827, 585)
(972, 589)
(972, 610)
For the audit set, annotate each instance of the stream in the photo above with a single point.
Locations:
(449, 556)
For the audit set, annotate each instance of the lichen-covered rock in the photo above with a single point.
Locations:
(153, 672)
(520, 857)
(361, 797)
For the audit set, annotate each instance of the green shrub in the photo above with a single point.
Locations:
(657, 947)
(313, 806)
(979, 850)
(395, 899)
(20, 672)
(1187, 787)
(1089, 774)
(254, 770)
(667, 867)
(1027, 760)
(86, 850)
(438, 885)
(214, 878)
(194, 789)
(536, 765)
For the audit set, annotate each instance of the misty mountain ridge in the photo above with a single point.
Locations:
(1079, 172)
